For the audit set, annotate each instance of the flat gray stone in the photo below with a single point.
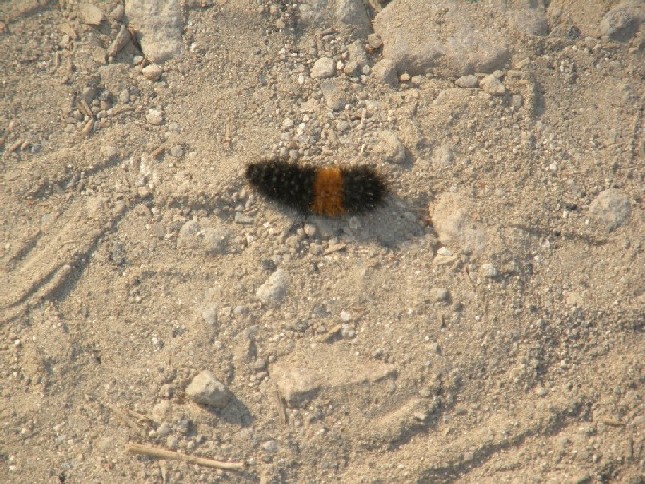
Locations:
(159, 24)
(352, 14)
(443, 37)
(334, 94)
(623, 21)
(301, 379)
(468, 82)
(611, 208)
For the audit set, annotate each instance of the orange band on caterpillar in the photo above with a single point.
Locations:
(331, 191)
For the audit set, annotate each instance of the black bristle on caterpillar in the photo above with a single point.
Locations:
(328, 191)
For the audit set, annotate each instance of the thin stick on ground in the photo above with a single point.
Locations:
(150, 451)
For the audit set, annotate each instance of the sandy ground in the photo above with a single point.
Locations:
(484, 325)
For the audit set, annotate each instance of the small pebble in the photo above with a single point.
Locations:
(488, 270)
(467, 82)
(207, 390)
(216, 241)
(164, 429)
(240, 218)
(347, 331)
(124, 96)
(444, 251)
(154, 117)
(270, 446)
(611, 208)
(172, 442)
(152, 72)
(323, 68)
(374, 41)
(209, 313)
(438, 294)
(334, 95)
(384, 71)
(177, 151)
(274, 289)
(492, 85)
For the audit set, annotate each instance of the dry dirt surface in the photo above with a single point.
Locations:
(484, 325)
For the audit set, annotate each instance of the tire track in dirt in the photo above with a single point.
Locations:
(46, 263)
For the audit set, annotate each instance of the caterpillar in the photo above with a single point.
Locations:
(328, 191)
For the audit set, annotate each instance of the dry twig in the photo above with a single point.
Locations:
(149, 451)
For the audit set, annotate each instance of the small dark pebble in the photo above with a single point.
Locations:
(268, 265)
(570, 206)
(574, 33)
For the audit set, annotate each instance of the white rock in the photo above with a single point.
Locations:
(274, 289)
(154, 117)
(207, 390)
(323, 68)
(488, 270)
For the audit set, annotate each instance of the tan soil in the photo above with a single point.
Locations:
(528, 369)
